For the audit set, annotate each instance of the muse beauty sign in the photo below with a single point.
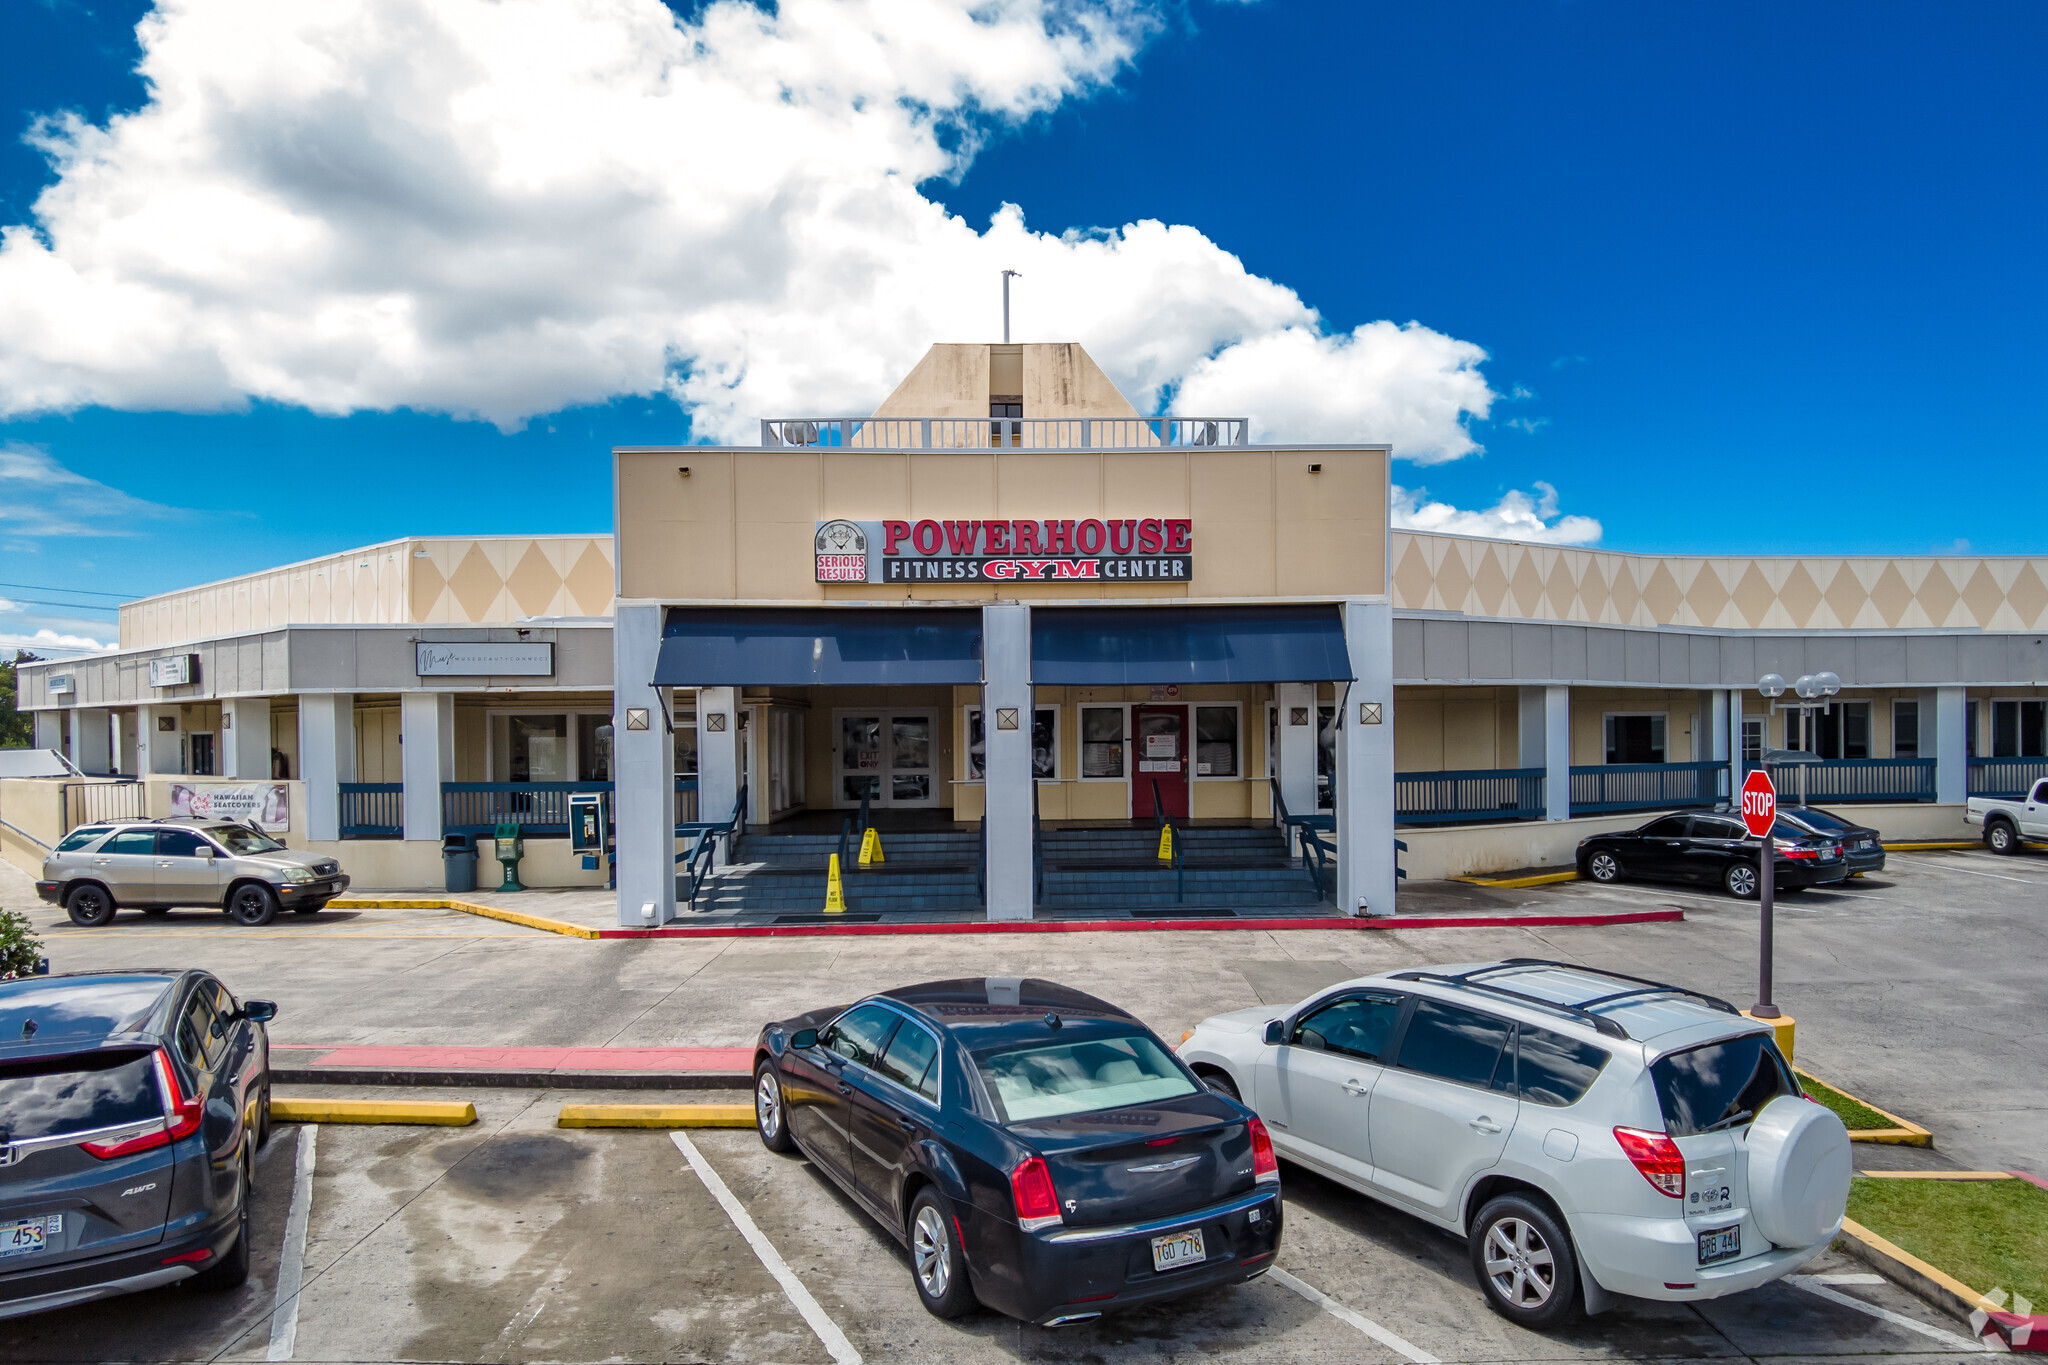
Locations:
(1119, 550)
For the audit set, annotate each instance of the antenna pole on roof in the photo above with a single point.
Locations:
(1006, 302)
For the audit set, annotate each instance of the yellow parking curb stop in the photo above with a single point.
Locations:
(656, 1116)
(448, 1113)
(1516, 883)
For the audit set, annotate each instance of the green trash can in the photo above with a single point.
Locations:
(458, 862)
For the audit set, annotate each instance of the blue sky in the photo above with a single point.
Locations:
(1745, 277)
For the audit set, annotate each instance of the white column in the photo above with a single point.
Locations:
(1365, 764)
(1733, 708)
(1951, 751)
(1006, 689)
(158, 750)
(1298, 745)
(426, 746)
(49, 730)
(718, 755)
(245, 738)
(643, 771)
(327, 758)
(92, 740)
(1557, 752)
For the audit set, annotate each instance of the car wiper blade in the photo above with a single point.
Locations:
(1718, 1124)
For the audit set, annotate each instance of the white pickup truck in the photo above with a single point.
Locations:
(2008, 823)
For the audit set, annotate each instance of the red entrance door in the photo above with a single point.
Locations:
(1161, 741)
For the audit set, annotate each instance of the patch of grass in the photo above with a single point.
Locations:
(1990, 1234)
(1855, 1115)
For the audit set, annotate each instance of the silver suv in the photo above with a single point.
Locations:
(154, 865)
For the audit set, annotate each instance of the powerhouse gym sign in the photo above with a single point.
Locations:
(1156, 549)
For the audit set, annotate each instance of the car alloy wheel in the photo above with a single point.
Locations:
(89, 907)
(2000, 838)
(771, 1116)
(932, 1251)
(1604, 868)
(1741, 881)
(253, 904)
(1519, 1263)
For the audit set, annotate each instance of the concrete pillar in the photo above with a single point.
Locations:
(426, 747)
(49, 733)
(1297, 706)
(643, 772)
(718, 755)
(1951, 749)
(159, 750)
(245, 738)
(1544, 740)
(327, 757)
(1006, 770)
(92, 740)
(1365, 764)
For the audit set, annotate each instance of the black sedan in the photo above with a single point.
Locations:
(1712, 848)
(1038, 1150)
(1861, 845)
(131, 1107)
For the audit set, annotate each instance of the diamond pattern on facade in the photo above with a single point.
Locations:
(1542, 583)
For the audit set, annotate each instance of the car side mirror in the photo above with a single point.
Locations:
(1276, 1032)
(804, 1039)
(259, 1011)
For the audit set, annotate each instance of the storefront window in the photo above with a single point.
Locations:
(2019, 729)
(1905, 729)
(1045, 744)
(593, 748)
(537, 749)
(1102, 741)
(1635, 738)
(1216, 741)
(686, 744)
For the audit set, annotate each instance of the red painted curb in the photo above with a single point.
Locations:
(2030, 1179)
(1108, 926)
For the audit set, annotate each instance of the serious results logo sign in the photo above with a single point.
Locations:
(1153, 548)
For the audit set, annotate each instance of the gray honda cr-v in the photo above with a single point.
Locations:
(131, 1107)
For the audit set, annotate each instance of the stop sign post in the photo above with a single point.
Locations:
(1760, 815)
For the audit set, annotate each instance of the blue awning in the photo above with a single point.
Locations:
(1111, 646)
(810, 646)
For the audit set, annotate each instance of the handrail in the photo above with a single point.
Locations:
(1037, 850)
(867, 818)
(981, 864)
(26, 835)
(697, 860)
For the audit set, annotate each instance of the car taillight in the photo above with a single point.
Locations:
(1657, 1157)
(1789, 851)
(1265, 1166)
(185, 1112)
(1031, 1187)
(107, 1151)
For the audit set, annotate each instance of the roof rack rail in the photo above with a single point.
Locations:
(1600, 1022)
(1644, 985)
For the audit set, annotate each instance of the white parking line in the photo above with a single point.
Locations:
(827, 1330)
(1811, 1284)
(1345, 1315)
(291, 1263)
(1973, 872)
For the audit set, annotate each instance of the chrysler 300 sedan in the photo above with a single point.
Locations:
(1038, 1150)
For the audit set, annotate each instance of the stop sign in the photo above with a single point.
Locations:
(1759, 803)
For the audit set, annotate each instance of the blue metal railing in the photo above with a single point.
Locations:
(686, 801)
(372, 810)
(536, 807)
(695, 860)
(1856, 779)
(1469, 795)
(1647, 786)
(1304, 836)
(2006, 778)
(1164, 822)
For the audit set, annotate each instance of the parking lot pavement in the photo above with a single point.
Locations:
(1918, 989)
(518, 1241)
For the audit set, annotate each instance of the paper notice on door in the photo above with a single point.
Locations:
(1162, 746)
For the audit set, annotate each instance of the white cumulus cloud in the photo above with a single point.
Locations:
(499, 208)
(1517, 516)
(51, 641)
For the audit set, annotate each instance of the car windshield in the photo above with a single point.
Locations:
(241, 841)
(1048, 1080)
(1720, 1085)
(79, 838)
(1818, 819)
(56, 1095)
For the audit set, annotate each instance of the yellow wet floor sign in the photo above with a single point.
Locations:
(871, 846)
(1166, 843)
(835, 890)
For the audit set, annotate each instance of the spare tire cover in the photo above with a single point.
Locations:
(1799, 1169)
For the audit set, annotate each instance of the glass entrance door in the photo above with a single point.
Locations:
(891, 754)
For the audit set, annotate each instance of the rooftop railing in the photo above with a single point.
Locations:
(1019, 433)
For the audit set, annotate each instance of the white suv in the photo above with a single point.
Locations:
(1590, 1134)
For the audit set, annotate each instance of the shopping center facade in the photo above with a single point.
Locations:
(1005, 608)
